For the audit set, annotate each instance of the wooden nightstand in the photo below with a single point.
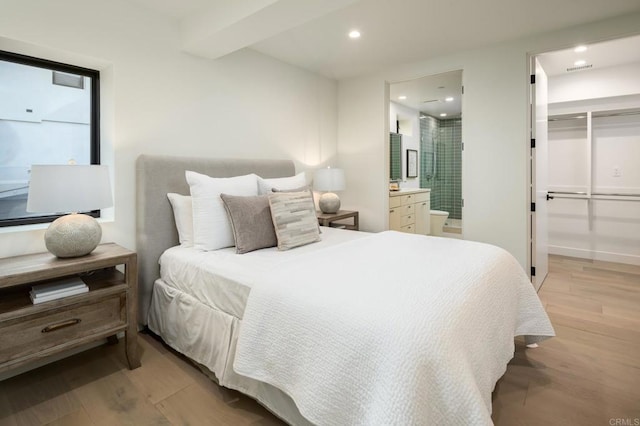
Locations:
(30, 332)
(330, 219)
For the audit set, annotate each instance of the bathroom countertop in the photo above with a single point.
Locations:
(405, 191)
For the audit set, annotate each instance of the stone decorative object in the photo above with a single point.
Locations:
(329, 202)
(73, 235)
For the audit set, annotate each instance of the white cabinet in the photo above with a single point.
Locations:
(395, 213)
(423, 213)
(409, 211)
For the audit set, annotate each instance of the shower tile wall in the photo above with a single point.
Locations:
(445, 180)
(429, 129)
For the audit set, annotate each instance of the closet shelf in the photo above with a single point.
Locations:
(595, 114)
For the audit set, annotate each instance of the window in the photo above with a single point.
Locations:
(49, 114)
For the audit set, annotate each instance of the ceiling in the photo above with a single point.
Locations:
(599, 55)
(429, 94)
(312, 34)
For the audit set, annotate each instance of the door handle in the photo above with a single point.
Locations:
(549, 197)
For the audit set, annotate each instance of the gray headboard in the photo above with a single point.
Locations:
(155, 226)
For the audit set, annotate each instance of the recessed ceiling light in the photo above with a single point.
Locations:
(402, 97)
(354, 34)
(580, 63)
(579, 49)
(444, 114)
(449, 99)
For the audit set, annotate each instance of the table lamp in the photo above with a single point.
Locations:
(70, 189)
(329, 180)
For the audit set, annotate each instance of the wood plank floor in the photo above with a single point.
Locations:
(588, 375)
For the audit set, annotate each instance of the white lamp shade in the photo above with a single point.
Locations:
(329, 180)
(69, 188)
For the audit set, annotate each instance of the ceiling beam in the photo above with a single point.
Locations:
(233, 25)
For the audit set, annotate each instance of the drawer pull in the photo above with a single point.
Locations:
(424, 204)
(63, 324)
(391, 211)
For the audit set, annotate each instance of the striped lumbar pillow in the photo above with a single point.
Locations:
(294, 219)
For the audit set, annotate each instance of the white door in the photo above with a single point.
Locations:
(539, 178)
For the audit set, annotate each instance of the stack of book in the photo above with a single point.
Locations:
(56, 290)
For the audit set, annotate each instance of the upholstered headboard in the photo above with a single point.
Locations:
(155, 226)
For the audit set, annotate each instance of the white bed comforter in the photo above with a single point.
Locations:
(390, 329)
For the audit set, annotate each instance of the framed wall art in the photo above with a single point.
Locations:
(412, 163)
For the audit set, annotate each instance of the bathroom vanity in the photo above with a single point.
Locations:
(409, 210)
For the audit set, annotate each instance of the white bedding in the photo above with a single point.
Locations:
(390, 328)
(222, 279)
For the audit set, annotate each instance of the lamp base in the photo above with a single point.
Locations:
(73, 235)
(329, 202)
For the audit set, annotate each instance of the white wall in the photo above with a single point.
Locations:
(495, 131)
(595, 83)
(363, 135)
(410, 138)
(156, 99)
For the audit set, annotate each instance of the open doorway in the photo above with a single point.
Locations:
(593, 102)
(426, 117)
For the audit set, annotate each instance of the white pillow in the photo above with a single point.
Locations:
(211, 226)
(265, 186)
(183, 215)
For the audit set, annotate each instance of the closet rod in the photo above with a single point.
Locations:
(594, 196)
(615, 195)
(577, 117)
(567, 193)
(606, 194)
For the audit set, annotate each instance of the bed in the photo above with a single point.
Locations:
(336, 326)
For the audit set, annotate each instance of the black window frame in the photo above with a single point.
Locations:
(94, 127)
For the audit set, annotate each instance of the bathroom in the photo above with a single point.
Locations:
(425, 117)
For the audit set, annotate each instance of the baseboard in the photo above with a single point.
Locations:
(595, 255)
(457, 235)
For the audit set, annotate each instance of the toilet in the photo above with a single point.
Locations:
(438, 217)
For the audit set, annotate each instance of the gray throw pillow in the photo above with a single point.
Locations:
(294, 218)
(251, 223)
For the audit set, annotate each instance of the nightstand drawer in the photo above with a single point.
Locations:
(39, 332)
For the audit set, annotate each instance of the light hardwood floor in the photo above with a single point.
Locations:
(588, 375)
